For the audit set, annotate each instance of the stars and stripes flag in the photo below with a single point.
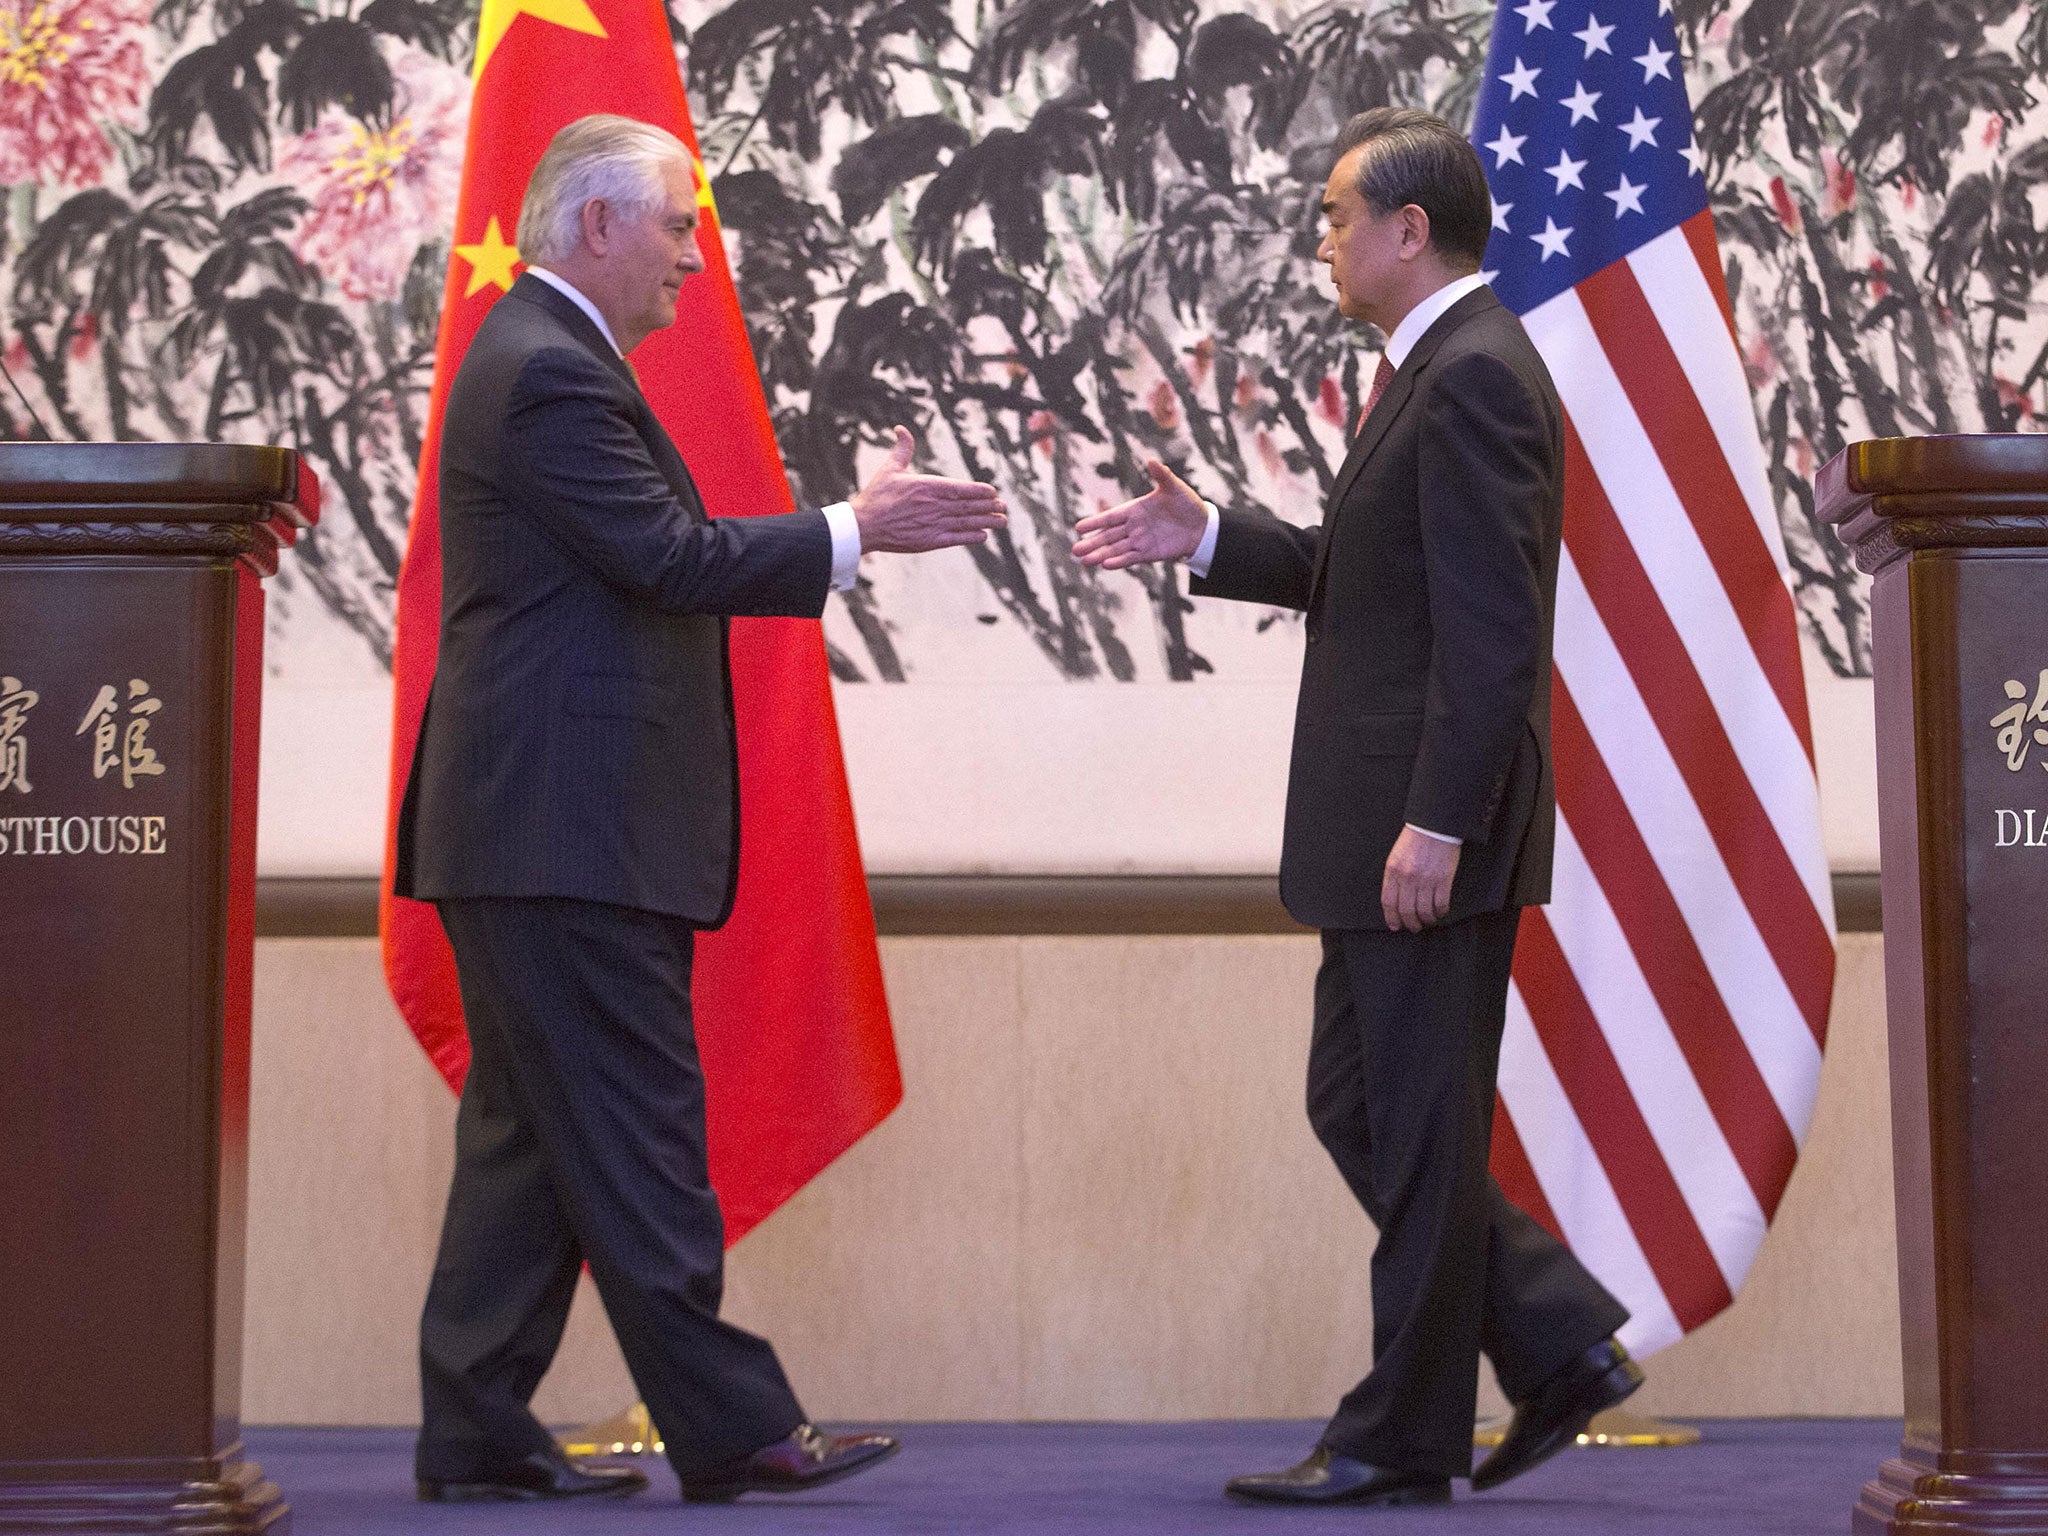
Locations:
(792, 1023)
(1664, 1034)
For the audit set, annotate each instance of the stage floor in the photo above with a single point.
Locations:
(1761, 1477)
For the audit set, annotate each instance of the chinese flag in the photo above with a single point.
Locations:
(799, 1062)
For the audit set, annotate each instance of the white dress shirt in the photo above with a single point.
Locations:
(838, 517)
(1399, 345)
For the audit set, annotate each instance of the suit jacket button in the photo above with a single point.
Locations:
(1315, 633)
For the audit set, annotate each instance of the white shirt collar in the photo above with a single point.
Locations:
(575, 296)
(1427, 313)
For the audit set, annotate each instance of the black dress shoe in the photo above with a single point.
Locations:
(1554, 1415)
(804, 1458)
(542, 1475)
(1327, 1478)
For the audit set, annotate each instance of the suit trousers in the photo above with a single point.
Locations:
(580, 1138)
(1401, 1093)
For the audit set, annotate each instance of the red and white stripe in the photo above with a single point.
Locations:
(1670, 1004)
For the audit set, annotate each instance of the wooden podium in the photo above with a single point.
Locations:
(131, 670)
(1954, 531)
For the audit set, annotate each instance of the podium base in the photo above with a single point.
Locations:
(228, 1498)
(1957, 1493)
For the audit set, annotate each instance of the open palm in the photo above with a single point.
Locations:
(1166, 523)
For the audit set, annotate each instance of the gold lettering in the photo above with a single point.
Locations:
(2011, 722)
(46, 834)
(99, 719)
(2007, 819)
(131, 834)
(15, 703)
(153, 840)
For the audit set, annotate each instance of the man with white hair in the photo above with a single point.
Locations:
(573, 813)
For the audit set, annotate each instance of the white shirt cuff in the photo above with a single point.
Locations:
(1441, 837)
(1205, 552)
(845, 544)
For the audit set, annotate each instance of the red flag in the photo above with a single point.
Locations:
(792, 1024)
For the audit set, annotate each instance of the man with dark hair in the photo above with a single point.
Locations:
(1420, 817)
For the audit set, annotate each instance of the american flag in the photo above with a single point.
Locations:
(1664, 1034)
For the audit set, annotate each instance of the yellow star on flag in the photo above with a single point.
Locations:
(497, 16)
(704, 198)
(490, 260)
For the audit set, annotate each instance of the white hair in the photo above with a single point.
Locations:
(619, 159)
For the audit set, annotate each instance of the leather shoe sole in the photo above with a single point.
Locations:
(1523, 1447)
(1383, 1498)
(433, 1491)
(725, 1491)
(1325, 1477)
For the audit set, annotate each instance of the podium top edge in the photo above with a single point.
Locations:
(1909, 466)
(215, 473)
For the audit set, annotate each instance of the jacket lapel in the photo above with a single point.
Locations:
(1400, 389)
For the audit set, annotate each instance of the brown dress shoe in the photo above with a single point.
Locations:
(804, 1458)
(1328, 1478)
(539, 1476)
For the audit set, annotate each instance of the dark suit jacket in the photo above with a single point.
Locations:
(579, 737)
(1429, 590)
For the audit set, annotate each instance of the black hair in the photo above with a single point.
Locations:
(1417, 157)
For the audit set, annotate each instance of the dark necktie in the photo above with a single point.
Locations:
(1382, 376)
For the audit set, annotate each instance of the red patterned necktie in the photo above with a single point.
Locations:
(1381, 377)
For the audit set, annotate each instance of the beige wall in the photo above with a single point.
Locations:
(1100, 1199)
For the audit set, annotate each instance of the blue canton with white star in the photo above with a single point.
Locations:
(1586, 134)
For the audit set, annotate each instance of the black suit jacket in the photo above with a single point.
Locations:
(1429, 590)
(579, 739)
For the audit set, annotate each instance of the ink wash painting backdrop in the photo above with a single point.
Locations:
(1051, 235)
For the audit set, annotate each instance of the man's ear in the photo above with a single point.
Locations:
(597, 225)
(1414, 231)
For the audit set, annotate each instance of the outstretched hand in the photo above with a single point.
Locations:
(1166, 523)
(903, 513)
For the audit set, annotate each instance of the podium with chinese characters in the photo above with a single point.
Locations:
(131, 666)
(1954, 532)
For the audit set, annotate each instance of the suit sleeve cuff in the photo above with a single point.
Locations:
(1205, 552)
(1441, 837)
(845, 544)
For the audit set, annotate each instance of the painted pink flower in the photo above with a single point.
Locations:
(1839, 195)
(1330, 402)
(1269, 453)
(1760, 361)
(69, 69)
(1165, 406)
(1039, 429)
(378, 193)
(1781, 201)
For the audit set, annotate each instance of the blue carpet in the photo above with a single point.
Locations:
(1779, 1477)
